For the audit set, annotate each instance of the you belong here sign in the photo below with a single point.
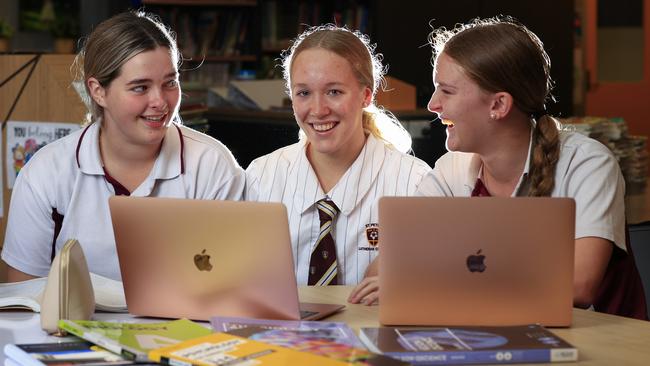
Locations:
(25, 138)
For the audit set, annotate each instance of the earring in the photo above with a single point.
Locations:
(493, 115)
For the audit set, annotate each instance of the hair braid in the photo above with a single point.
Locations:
(546, 152)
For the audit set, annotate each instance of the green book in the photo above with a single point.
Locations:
(134, 340)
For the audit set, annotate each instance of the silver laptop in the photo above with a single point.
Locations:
(476, 261)
(196, 259)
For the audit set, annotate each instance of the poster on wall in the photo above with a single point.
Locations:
(25, 138)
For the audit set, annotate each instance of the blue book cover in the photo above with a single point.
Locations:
(469, 345)
(334, 331)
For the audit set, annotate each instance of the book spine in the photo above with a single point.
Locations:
(483, 357)
(20, 357)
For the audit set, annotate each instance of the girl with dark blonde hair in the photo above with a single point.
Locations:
(492, 81)
(349, 154)
(133, 144)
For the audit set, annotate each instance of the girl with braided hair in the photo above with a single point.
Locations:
(492, 80)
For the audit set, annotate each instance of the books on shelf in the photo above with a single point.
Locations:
(133, 340)
(469, 345)
(227, 349)
(330, 339)
(26, 295)
(63, 353)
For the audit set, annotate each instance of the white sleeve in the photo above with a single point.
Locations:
(233, 188)
(597, 185)
(436, 183)
(30, 228)
(251, 192)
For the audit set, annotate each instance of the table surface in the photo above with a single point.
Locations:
(601, 339)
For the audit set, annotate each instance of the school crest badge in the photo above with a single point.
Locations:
(372, 234)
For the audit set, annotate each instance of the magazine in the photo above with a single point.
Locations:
(64, 353)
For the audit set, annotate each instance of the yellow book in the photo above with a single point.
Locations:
(226, 349)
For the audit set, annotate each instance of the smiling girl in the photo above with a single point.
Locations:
(492, 82)
(346, 158)
(133, 145)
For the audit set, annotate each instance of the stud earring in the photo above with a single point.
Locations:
(493, 115)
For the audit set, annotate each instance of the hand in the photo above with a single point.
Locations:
(366, 292)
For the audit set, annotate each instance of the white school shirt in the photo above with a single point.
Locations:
(67, 176)
(286, 176)
(586, 171)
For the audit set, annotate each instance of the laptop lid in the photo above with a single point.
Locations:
(202, 258)
(476, 261)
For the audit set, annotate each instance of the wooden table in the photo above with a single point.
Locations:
(601, 339)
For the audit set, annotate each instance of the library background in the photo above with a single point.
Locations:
(231, 79)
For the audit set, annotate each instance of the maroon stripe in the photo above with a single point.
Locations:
(180, 135)
(120, 190)
(79, 145)
(58, 222)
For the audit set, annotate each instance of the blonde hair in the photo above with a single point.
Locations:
(501, 54)
(114, 42)
(366, 66)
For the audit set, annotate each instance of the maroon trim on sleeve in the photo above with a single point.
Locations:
(58, 222)
(180, 136)
(79, 145)
(120, 190)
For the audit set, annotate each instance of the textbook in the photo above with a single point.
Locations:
(335, 331)
(469, 345)
(65, 353)
(317, 342)
(133, 340)
(227, 349)
(26, 295)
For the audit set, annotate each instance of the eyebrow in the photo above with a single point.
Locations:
(328, 85)
(144, 81)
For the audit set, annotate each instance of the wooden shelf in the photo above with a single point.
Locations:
(202, 2)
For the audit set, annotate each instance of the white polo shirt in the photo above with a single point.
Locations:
(586, 171)
(67, 177)
(286, 176)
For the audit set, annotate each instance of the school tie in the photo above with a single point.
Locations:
(323, 267)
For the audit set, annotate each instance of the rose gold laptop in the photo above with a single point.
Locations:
(196, 259)
(476, 261)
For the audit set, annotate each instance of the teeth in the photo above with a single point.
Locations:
(154, 119)
(323, 126)
(447, 122)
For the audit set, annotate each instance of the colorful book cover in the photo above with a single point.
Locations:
(227, 349)
(134, 340)
(335, 331)
(469, 345)
(315, 341)
(62, 354)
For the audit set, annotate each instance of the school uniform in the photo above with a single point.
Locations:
(63, 192)
(287, 176)
(586, 171)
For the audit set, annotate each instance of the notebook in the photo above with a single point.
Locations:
(476, 261)
(195, 259)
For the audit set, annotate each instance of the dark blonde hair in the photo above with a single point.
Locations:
(500, 54)
(366, 66)
(114, 42)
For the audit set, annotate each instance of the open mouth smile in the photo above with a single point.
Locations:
(323, 127)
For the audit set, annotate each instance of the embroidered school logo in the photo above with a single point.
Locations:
(372, 234)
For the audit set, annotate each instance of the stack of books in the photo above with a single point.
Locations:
(234, 341)
(630, 150)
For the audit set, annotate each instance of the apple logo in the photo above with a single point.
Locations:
(202, 261)
(475, 262)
